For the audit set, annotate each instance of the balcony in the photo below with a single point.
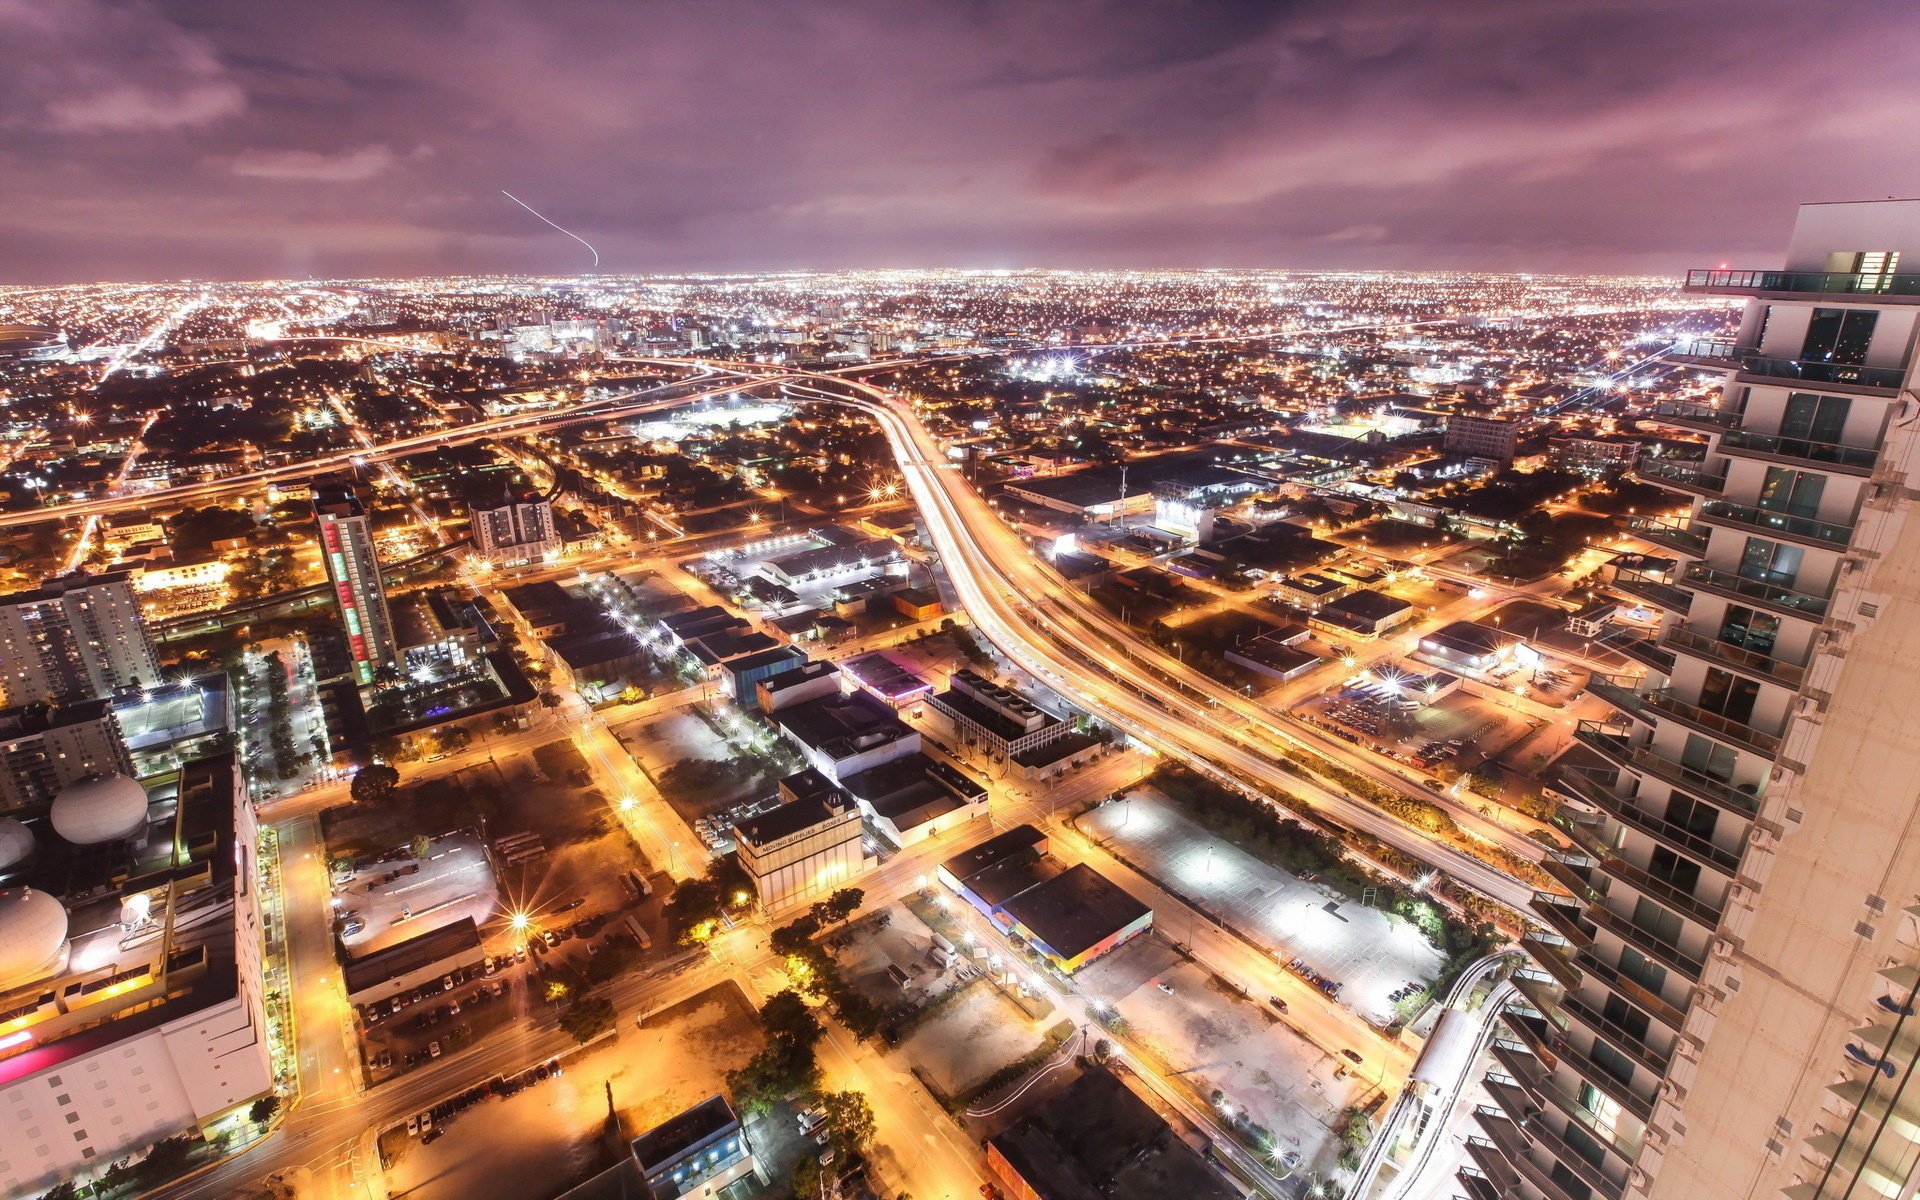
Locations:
(1762, 667)
(1624, 697)
(1565, 916)
(1702, 417)
(1654, 591)
(1682, 537)
(1554, 955)
(1575, 870)
(1798, 452)
(1849, 376)
(1519, 1097)
(1713, 724)
(1665, 954)
(1645, 651)
(1809, 284)
(1601, 793)
(1770, 596)
(1681, 475)
(1671, 1015)
(1616, 748)
(1822, 535)
(1547, 1044)
(1513, 1141)
(1721, 354)
(1572, 1006)
(1534, 1081)
(1476, 1184)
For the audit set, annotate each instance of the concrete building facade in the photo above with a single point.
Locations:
(75, 637)
(1723, 1005)
(43, 748)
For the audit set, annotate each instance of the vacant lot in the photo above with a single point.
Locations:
(968, 1038)
(1211, 1039)
(536, 1144)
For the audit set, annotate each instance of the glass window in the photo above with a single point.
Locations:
(1729, 695)
(1839, 335)
(1796, 493)
(1770, 562)
(1643, 971)
(1568, 1182)
(1704, 756)
(1814, 418)
(1656, 922)
(1613, 1062)
(1750, 630)
(1581, 1142)
(1627, 1017)
(1696, 818)
(1682, 873)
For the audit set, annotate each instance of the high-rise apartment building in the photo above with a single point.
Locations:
(1482, 437)
(1725, 1006)
(45, 747)
(515, 528)
(346, 543)
(74, 637)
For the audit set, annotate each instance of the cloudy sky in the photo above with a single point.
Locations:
(240, 139)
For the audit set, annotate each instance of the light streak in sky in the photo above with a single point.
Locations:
(570, 233)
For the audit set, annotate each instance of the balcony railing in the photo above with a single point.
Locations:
(1623, 696)
(1512, 1142)
(1645, 651)
(1657, 592)
(1765, 520)
(1599, 791)
(1823, 283)
(1615, 747)
(1682, 475)
(1854, 460)
(1673, 1016)
(1712, 650)
(1683, 537)
(1675, 897)
(1531, 1076)
(1719, 725)
(1697, 416)
(1770, 595)
(1547, 1042)
(1664, 953)
(1720, 354)
(1807, 370)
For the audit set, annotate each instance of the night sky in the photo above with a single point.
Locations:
(277, 138)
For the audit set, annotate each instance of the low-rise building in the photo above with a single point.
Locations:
(698, 1152)
(809, 681)
(803, 849)
(1473, 436)
(745, 674)
(975, 711)
(403, 966)
(1072, 915)
(843, 735)
(1466, 646)
(1099, 1141)
(1366, 613)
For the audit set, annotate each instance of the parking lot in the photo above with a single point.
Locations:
(396, 896)
(1459, 729)
(1366, 956)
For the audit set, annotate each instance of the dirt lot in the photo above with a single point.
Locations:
(535, 1144)
(1211, 1038)
(968, 1038)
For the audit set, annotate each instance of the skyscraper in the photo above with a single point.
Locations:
(346, 542)
(1725, 1008)
(73, 638)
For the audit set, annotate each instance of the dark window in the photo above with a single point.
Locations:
(1691, 815)
(1770, 562)
(1681, 873)
(1729, 695)
(1656, 922)
(1627, 1017)
(1749, 630)
(1796, 493)
(1581, 1142)
(1839, 335)
(1704, 756)
(1814, 418)
(1643, 971)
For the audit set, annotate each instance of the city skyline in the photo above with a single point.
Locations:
(209, 140)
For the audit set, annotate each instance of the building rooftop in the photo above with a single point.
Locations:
(841, 726)
(1099, 1141)
(1075, 910)
(795, 816)
(670, 1140)
(403, 958)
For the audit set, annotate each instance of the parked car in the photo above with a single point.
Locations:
(433, 1049)
(1352, 1056)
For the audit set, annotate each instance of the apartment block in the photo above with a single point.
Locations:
(1722, 1005)
(74, 637)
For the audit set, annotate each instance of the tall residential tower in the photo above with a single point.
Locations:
(1725, 1008)
(73, 638)
(346, 542)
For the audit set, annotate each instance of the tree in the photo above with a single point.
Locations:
(167, 1158)
(421, 846)
(849, 1123)
(549, 699)
(693, 910)
(795, 936)
(263, 1109)
(374, 783)
(844, 903)
(771, 1076)
(587, 1018)
(787, 1020)
(66, 1189)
